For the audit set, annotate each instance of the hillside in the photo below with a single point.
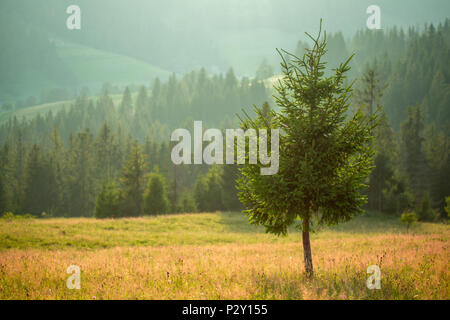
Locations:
(93, 67)
(180, 35)
(34, 60)
(42, 109)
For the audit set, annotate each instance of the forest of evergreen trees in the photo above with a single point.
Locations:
(109, 159)
(61, 163)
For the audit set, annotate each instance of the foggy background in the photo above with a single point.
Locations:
(172, 36)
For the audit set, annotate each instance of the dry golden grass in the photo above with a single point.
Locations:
(412, 267)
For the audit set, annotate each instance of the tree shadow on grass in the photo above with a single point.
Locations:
(238, 222)
(366, 223)
(370, 223)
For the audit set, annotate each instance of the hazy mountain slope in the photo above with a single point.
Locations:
(181, 35)
(93, 67)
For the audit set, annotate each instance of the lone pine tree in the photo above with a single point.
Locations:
(3, 197)
(155, 197)
(326, 154)
(108, 202)
(371, 92)
(369, 95)
(132, 181)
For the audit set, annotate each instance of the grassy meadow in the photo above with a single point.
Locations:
(219, 256)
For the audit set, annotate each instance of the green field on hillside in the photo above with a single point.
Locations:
(42, 109)
(218, 256)
(180, 229)
(89, 67)
(92, 66)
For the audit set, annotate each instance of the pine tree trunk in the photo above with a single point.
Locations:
(307, 249)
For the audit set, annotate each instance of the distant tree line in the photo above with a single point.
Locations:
(102, 152)
(113, 159)
(413, 65)
(408, 74)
